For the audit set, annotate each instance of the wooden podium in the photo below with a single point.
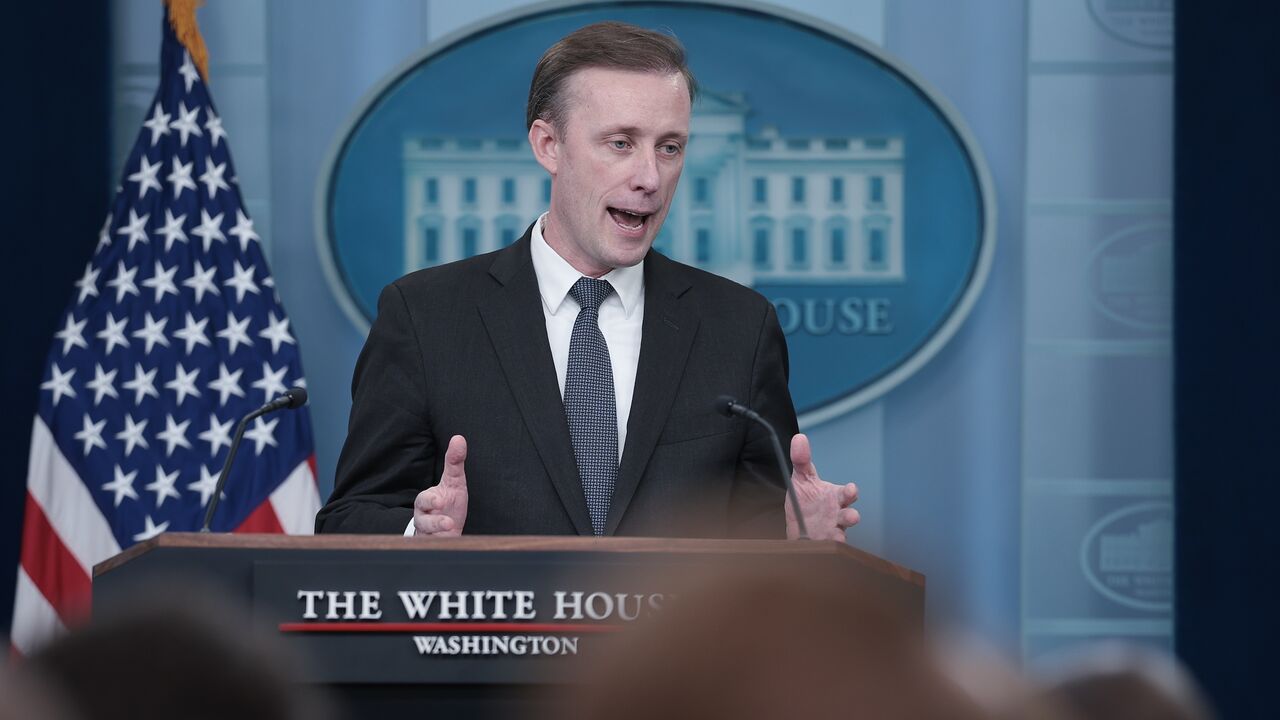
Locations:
(463, 626)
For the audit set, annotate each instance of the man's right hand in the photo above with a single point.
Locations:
(442, 510)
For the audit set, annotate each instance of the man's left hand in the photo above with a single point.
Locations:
(826, 506)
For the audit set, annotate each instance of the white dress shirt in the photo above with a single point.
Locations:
(621, 318)
(621, 321)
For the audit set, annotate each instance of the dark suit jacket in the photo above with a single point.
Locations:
(462, 349)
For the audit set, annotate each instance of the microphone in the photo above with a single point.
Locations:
(730, 406)
(293, 398)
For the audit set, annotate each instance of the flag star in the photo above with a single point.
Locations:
(272, 382)
(146, 177)
(91, 434)
(207, 483)
(227, 384)
(163, 486)
(88, 283)
(184, 383)
(210, 229)
(172, 230)
(151, 530)
(132, 434)
(242, 281)
(193, 333)
(174, 434)
(186, 123)
(243, 230)
(113, 333)
(214, 125)
(136, 229)
(123, 281)
(201, 281)
(188, 71)
(217, 435)
(122, 486)
(103, 383)
(262, 434)
(162, 281)
(212, 178)
(142, 384)
(235, 332)
(180, 178)
(60, 384)
(72, 334)
(277, 332)
(158, 124)
(152, 333)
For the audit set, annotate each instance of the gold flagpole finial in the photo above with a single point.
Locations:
(182, 18)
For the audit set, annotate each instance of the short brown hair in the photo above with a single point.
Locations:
(616, 45)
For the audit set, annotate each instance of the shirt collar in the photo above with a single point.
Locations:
(556, 276)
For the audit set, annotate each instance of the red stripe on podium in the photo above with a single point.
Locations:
(376, 627)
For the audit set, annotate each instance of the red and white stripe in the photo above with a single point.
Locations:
(64, 535)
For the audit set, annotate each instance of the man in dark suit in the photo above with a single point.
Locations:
(567, 384)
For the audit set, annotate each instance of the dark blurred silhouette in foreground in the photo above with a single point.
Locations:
(184, 657)
(772, 643)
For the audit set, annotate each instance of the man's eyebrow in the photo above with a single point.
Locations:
(633, 131)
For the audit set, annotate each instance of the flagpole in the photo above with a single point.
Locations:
(182, 18)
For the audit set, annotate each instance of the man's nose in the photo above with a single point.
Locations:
(644, 172)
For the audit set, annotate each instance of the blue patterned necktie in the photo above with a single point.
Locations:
(589, 402)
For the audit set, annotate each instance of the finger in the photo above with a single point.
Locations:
(847, 518)
(432, 524)
(428, 500)
(802, 457)
(848, 494)
(455, 458)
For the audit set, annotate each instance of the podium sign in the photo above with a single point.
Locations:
(441, 618)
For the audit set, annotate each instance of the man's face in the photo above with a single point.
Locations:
(615, 162)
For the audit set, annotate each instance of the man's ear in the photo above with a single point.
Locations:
(545, 144)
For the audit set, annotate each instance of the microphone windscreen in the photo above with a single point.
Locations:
(297, 397)
(724, 405)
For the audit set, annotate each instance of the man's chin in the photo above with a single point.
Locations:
(627, 252)
(626, 261)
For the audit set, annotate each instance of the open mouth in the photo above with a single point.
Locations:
(629, 220)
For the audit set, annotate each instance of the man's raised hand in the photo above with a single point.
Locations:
(825, 505)
(441, 510)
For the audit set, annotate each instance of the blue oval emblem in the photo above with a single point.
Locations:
(820, 172)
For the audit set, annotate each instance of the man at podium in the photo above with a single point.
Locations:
(570, 382)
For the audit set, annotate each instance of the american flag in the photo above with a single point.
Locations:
(173, 333)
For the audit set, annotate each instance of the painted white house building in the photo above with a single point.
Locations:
(762, 209)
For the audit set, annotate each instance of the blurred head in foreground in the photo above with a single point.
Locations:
(170, 660)
(26, 698)
(773, 644)
(1113, 681)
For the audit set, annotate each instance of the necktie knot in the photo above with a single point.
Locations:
(590, 292)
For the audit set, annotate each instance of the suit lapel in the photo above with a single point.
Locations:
(667, 333)
(517, 328)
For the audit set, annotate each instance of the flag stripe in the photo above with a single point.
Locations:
(51, 567)
(35, 620)
(66, 502)
(297, 501)
(261, 520)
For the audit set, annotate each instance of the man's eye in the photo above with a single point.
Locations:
(620, 144)
(671, 149)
